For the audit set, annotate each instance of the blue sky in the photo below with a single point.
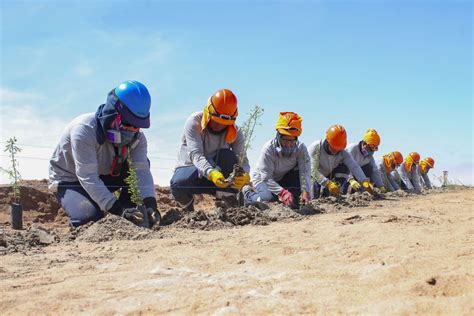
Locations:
(401, 67)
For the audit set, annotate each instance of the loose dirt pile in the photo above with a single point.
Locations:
(109, 228)
(31, 240)
(46, 222)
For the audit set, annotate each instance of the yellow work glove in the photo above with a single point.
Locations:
(354, 184)
(383, 190)
(240, 181)
(333, 188)
(368, 186)
(218, 179)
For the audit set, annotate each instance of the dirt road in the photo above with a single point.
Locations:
(412, 255)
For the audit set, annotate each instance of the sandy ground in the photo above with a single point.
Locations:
(402, 256)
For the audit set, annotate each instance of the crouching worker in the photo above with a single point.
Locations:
(408, 175)
(331, 164)
(387, 165)
(210, 146)
(90, 161)
(425, 166)
(363, 153)
(283, 170)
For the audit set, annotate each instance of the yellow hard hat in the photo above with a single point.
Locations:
(372, 138)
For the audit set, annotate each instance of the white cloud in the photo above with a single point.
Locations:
(11, 97)
(36, 132)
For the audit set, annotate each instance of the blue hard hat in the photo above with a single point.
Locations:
(135, 103)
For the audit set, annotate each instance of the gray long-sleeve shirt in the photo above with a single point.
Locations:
(387, 177)
(354, 151)
(199, 147)
(323, 163)
(425, 179)
(79, 157)
(272, 167)
(410, 178)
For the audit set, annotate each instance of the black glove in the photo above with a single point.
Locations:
(154, 216)
(116, 209)
(134, 215)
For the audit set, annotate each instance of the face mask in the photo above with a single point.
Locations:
(365, 149)
(286, 151)
(118, 137)
(364, 152)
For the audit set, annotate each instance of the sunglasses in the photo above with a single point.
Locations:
(223, 116)
(373, 147)
(130, 128)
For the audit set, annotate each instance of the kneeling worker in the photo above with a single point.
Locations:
(363, 153)
(331, 164)
(283, 170)
(408, 174)
(387, 165)
(425, 166)
(210, 146)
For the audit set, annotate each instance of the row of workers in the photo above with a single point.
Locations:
(89, 163)
(286, 170)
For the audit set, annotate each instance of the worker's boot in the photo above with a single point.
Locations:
(187, 208)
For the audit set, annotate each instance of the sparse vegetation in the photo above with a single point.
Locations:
(12, 149)
(248, 128)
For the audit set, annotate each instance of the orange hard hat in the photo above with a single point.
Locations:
(371, 137)
(223, 107)
(397, 157)
(429, 161)
(336, 137)
(415, 156)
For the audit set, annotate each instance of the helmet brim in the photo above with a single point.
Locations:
(131, 119)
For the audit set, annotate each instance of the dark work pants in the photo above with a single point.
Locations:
(80, 207)
(186, 180)
(338, 174)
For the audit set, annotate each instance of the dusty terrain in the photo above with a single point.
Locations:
(401, 255)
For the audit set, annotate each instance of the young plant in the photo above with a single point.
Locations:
(247, 130)
(12, 149)
(132, 182)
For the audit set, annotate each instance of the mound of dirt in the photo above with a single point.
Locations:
(240, 216)
(110, 227)
(39, 205)
(223, 216)
(333, 204)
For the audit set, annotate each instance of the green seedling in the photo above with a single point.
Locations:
(12, 149)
